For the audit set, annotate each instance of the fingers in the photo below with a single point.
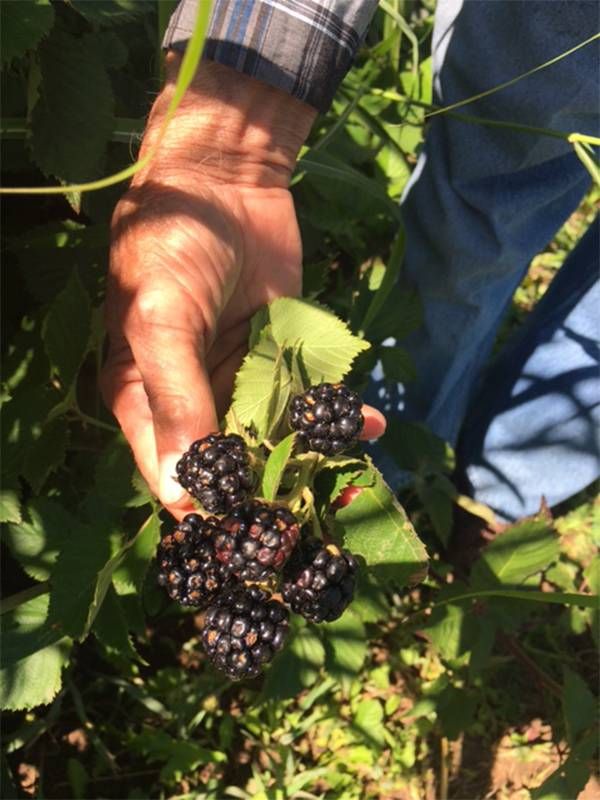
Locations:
(375, 423)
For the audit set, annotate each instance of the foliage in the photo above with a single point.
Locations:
(417, 690)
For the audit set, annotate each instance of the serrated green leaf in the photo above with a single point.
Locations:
(345, 642)
(30, 677)
(22, 27)
(66, 330)
(579, 706)
(113, 479)
(438, 505)
(110, 627)
(370, 603)
(46, 454)
(455, 710)
(275, 466)
(111, 12)
(10, 505)
(389, 278)
(368, 721)
(36, 541)
(330, 482)
(523, 550)
(400, 315)
(130, 574)
(375, 526)
(328, 346)
(71, 125)
(415, 448)
(262, 377)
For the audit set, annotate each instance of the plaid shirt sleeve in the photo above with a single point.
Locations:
(304, 47)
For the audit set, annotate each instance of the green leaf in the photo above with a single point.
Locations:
(451, 627)
(345, 646)
(328, 347)
(111, 12)
(332, 480)
(23, 25)
(10, 505)
(76, 578)
(70, 124)
(297, 666)
(579, 706)
(37, 540)
(455, 709)
(438, 505)
(115, 469)
(368, 721)
(275, 467)
(130, 574)
(262, 378)
(182, 756)
(523, 550)
(66, 330)
(110, 627)
(400, 315)
(375, 526)
(398, 366)
(327, 166)
(46, 454)
(390, 276)
(29, 678)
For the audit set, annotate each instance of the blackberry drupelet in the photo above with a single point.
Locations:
(319, 580)
(216, 472)
(242, 631)
(188, 566)
(255, 539)
(327, 417)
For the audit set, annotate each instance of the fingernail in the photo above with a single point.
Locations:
(170, 491)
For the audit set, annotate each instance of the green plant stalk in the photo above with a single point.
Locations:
(189, 64)
(20, 598)
(559, 598)
(518, 78)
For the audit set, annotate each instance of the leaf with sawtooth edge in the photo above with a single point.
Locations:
(23, 25)
(66, 330)
(375, 526)
(30, 678)
(328, 347)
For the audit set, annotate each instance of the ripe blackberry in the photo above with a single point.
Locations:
(255, 539)
(328, 418)
(242, 631)
(188, 566)
(216, 472)
(318, 581)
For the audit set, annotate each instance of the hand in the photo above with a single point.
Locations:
(205, 236)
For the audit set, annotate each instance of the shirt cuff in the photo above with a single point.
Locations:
(301, 46)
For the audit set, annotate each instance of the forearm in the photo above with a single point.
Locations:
(229, 128)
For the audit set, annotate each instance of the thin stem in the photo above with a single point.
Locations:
(89, 727)
(18, 599)
(444, 753)
(97, 423)
(518, 78)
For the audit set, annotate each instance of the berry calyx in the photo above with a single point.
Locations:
(215, 470)
(319, 581)
(256, 539)
(188, 565)
(327, 417)
(242, 631)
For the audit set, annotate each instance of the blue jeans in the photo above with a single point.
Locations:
(482, 202)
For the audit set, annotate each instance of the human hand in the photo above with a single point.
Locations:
(205, 236)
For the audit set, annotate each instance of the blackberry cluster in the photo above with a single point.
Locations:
(318, 582)
(243, 630)
(215, 470)
(328, 418)
(256, 539)
(188, 565)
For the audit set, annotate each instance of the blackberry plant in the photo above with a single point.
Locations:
(255, 539)
(187, 562)
(319, 581)
(327, 417)
(243, 630)
(216, 471)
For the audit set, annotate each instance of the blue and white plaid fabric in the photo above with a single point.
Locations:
(301, 46)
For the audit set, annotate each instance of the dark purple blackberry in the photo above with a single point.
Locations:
(256, 539)
(327, 417)
(318, 581)
(216, 472)
(187, 563)
(242, 631)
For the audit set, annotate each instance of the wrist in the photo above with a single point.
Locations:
(229, 128)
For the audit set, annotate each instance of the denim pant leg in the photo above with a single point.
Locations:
(533, 425)
(483, 201)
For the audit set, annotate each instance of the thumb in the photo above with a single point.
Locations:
(171, 364)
